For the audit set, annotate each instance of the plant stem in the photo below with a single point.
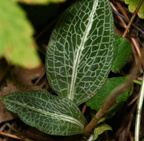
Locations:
(139, 109)
(137, 82)
(111, 100)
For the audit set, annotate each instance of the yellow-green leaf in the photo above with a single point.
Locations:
(17, 44)
(100, 129)
(39, 1)
(132, 6)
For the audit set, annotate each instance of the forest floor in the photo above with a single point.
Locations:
(14, 78)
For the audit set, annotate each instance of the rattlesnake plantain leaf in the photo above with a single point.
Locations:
(51, 114)
(80, 50)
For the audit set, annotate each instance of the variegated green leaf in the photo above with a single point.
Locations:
(80, 51)
(50, 114)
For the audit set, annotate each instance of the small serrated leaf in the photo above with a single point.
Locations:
(80, 50)
(132, 6)
(122, 53)
(51, 114)
(17, 44)
(97, 101)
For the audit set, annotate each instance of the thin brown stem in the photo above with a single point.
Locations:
(122, 21)
(122, 10)
(84, 109)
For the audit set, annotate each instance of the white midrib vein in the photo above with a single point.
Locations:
(58, 116)
(80, 49)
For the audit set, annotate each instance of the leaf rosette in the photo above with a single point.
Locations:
(78, 60)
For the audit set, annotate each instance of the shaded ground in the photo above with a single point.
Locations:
(16, 78)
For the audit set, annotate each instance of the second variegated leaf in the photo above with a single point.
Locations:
(51, 114)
